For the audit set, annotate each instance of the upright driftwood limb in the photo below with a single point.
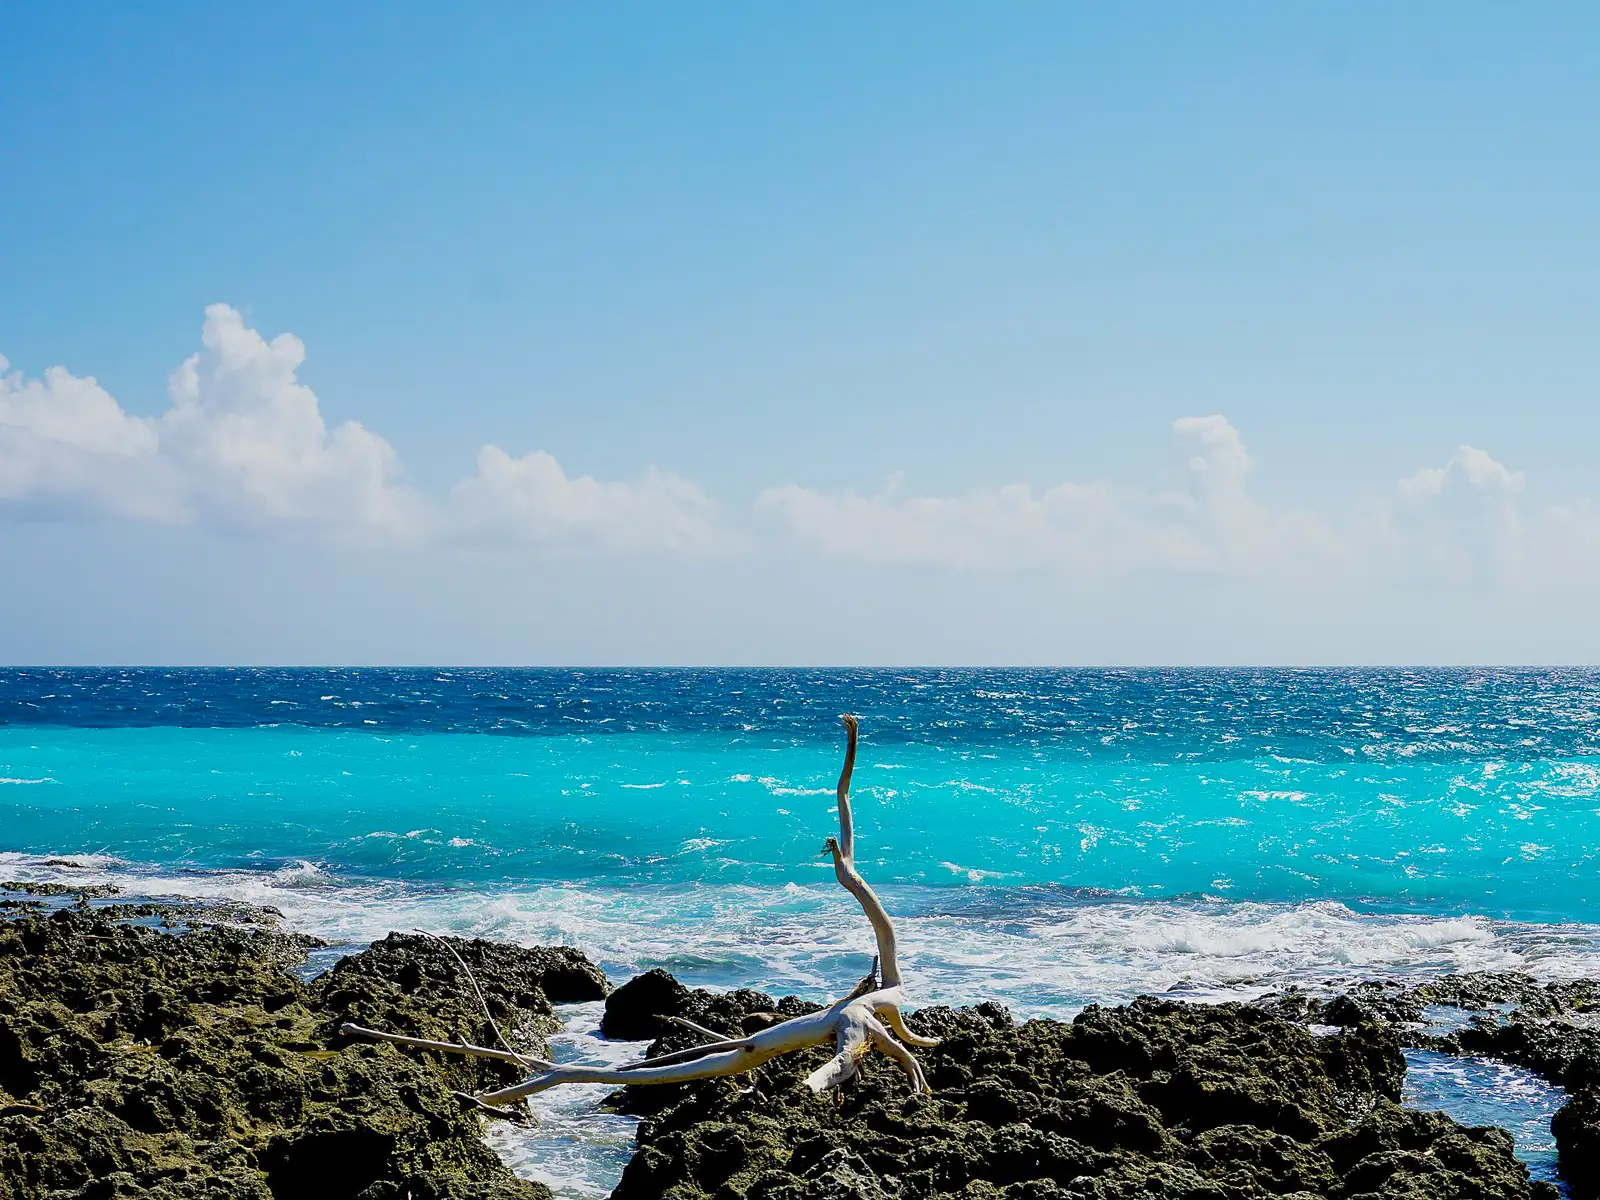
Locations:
(867, 1019)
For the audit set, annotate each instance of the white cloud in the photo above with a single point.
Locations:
(65, 442)
(252, 447)
(1464, 524)
(1456, 524)
(531, 498)
(1210, 523)
(245, 445)
(1467, 523)
(1006, 528)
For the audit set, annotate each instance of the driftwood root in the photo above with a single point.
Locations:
(867, 1019)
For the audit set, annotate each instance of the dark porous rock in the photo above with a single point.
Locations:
(412, 984)
(1565, 1053)
(93, 891)
(634, 1011)
(194, 1064)
(1577, 1130)
(1484, 990)
(1152, 1100)
(1366, 1001)
(637, 1011)
(1552, 1029)
(1565, 1049)
(1372, 1000)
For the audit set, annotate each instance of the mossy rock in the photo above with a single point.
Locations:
(1154, 1100)
(195, 1064)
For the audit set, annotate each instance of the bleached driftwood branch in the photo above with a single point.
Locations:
(867, 1019)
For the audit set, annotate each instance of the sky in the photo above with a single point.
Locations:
(811, 334)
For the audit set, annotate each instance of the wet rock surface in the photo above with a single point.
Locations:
(192, 1062)
(87, 892)
(1155, 1099)
(1551, 1029)
(172, 1051)
(641, 1009)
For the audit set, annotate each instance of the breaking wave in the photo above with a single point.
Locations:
(1039, 952)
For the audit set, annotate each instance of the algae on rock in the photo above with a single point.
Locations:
(195, 1064)
(1156, 1099)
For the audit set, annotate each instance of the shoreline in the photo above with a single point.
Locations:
(1380, 1011)
(1041, 954)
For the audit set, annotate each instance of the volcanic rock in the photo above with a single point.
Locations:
(195, 1064)
(1155, 1099)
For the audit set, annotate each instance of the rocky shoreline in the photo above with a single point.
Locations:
(1153, 1099)
(174, 1051)
(164, 1052)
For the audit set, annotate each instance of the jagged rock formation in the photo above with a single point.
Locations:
(194, 1064)
(1154, 1100)
(1552, 1029)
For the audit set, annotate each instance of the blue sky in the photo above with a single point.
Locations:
(800, 334)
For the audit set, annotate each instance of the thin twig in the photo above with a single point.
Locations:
(688, 1024)
(473, 980)
(349, 1029)
(519, 1116)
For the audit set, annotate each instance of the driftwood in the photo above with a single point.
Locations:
(867, 1019)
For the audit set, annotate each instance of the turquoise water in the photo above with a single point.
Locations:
(1514, 839)
(1479, 1091)
(1045, 838)
(1060, 836)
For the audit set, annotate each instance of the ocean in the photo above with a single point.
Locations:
(1047, 838)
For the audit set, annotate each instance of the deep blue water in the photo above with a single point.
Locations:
(1179, 714)
(1429, 791)
(1049, 838)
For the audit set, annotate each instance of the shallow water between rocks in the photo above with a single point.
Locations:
(1480, 1091)
(579, 1149)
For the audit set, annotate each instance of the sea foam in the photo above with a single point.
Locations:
(1038, 953)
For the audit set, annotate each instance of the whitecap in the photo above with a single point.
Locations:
(972, 874)
(695, 845)
(301, 874)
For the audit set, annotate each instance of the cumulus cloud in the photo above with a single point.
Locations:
(532, 499)
(1463, 524)
(1468, 523)
(64, 441)
(1209, 523)
(252, 448)
(244, 444)
(1459, 523)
